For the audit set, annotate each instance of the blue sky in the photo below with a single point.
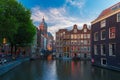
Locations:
(60, 14)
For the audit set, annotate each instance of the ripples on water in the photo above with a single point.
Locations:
(59, 70)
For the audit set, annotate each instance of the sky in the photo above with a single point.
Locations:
(60, 14)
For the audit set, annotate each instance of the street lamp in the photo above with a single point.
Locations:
(4, 40)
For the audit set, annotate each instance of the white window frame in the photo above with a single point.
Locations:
(111, 53)
(118, 17)
(102, 36)
(95, 49)
(96, 37)
(101, 48)
(112, 37)
(103, 23)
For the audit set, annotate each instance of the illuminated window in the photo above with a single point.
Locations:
(71, 36)
(75, 36)
(103, 23)
(81, 36)
(112, 32)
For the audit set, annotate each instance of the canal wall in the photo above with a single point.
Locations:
(8, 66)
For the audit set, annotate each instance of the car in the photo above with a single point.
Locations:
(3, 60)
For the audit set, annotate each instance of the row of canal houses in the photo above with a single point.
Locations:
(105, 38)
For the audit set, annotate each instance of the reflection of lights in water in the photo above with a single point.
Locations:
(49, 57)
(49, 47)
(92, 60)
(50, 71)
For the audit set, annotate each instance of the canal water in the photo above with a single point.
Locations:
(59, 70)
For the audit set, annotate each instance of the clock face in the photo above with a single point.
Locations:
(75, 30)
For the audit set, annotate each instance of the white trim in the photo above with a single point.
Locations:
(102, 36)
(117, 17)
(106, 16)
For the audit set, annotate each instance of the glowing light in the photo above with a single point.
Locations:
(4, 40)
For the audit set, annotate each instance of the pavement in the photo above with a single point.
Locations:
(5, 67)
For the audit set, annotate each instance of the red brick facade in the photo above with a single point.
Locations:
(75, 42)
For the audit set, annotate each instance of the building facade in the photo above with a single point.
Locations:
(44, 38)
(105, 38)
(75, 42)
(50, 42)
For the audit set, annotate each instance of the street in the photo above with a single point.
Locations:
(59, 70)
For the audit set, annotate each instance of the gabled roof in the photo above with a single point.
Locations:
(108, 11)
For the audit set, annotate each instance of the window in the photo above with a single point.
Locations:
(112, 49)
(103, 49)
(118, 17)
(103, 23)
(85, 36)
(88, 35)
(88, 42)
(71, 36)
(103, 35)
(103, 61)
(112, 32)
(75, 36)
(81, 41)
(81, 36)
(95, 49)
(88, 49)
(75, 30)
(85, 30)
(85, 42)
(96, 36)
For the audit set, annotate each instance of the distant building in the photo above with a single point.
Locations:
(75, 42)
(105, 38)
(50, 42)
(44, 38)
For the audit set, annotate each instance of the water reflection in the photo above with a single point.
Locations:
(59, 70)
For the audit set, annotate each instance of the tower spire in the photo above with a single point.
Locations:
(43, 19)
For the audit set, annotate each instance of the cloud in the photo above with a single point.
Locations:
(77, 3)
(57, 18)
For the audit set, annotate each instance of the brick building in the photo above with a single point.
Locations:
(105, 38)
(44, 38)
(75, 42)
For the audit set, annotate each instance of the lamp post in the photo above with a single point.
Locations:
(4, 40)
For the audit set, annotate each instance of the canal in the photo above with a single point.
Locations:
(59, 70)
